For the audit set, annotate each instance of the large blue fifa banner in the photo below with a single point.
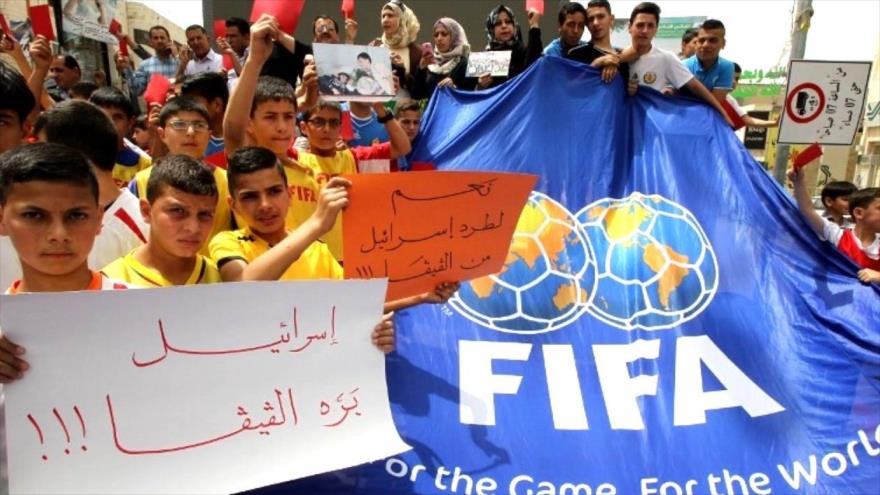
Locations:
(666, 322)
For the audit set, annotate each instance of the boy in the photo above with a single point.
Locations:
(862, 242)
(572, 20)
(118, 108)
(658, 68)
(85, 128)
(210, 90)
(181, 198)
(49, 209)
(184, 128)
(835, 198)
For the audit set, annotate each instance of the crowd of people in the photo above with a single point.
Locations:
(236, 176)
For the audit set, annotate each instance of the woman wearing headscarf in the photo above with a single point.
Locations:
(400, 27)
(504, 35)
(448, 64)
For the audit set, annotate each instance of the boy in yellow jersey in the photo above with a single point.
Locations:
(262, 112)
(180, 204)
(265, 249)
(185, 129)
(117, 106)
(49, 209)
(322, 126)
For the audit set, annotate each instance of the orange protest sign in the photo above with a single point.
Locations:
(420, 229)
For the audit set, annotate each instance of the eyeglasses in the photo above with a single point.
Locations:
(320, 123)
(184, 125)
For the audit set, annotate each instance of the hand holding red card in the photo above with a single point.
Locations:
(219, 28)
(286, 11)
(157, 90)
(807, 155)
(538, 5)
(41, 21)
(4, 28)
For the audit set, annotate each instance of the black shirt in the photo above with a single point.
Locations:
(286, 65)
(587, 54)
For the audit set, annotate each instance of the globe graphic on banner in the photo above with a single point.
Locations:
(641, 262)
(655, 266)
(548, 278)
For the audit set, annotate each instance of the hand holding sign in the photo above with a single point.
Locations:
(423, 228)
(287, 12)
(41, 21)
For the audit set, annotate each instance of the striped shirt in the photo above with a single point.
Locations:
(139, 79)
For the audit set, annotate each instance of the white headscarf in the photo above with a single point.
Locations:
(445, 62)
(408, 29)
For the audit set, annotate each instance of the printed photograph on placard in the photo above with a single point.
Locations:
(496, 64)
(353, 72)
(89, 19)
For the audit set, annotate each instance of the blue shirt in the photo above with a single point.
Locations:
(367, 131)
(554, 49)
(215, 145)
(719, 76)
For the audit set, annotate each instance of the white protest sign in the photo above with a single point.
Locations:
(824, 102)
(496, 64)
(208, 389)
(353, 72)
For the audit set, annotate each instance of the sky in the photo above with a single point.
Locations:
(757, 30)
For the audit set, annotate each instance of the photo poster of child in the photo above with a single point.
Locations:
(89, 19)
(353, 72)
(496, 64)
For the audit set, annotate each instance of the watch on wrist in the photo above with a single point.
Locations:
(385, 118)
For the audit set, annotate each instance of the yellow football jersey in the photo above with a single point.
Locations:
(128, 164)
(131, 271)
(303, 194)
(222, 214)
(316, 262)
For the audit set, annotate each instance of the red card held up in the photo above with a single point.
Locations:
(347, 129)
(4, 28)
(157, 90)
(115, 27)
(806, 156)
(286, 11)
(535, 4)
(123, 48)
(219, 28)
(41, 21)
(348, 9)
(228, 64)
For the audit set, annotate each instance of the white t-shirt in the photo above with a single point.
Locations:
(659, 69)
(213, 62)
(832, 233)
(735, 105)
(122, 230)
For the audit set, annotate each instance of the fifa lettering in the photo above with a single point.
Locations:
(479, 385)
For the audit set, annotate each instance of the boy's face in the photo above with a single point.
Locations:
(322, 129)
(869, 216)
(141, 137)
(838, 206)
(52, 225)
(599, 22)
(120, 120)
(12, 130)
(572, 30)
(709, 43)
(272, 125)
(410, 121)
(186, 133)
(642, 29)
(261, 199)
(180, 222)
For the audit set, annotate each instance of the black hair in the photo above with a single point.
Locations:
(14, 93)
(183, 173)
(271, 88)
(47, 162)
(689, 35)
(84, 127)
(646, 8)
(70, 62)
(208, 85)
(181, 104)
(598, 3)
(365, 56)
(163, 28)
(85, 89)
(244, 27)
(570, 8)
(862, 199)
(836, 189)
(322, 104)
(110, 97)
(140, 122)
(710, 24)
(324, 16)
(407, 106)
(194, 27)
(251, 159)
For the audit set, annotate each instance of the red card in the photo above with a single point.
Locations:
(535, 4)
(738, 122)
(348, 9)
(41, 21)
(157, 90)
(123, 48)
(347, 129)
(228, 64)
(3, 26)
(806, 156)
(219, 28)
(115, 27)
(286, 11)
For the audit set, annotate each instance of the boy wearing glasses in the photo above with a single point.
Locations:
(184, 128)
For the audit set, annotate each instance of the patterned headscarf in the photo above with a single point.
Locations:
(458, 47)
(490, 29)
(408, 29)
